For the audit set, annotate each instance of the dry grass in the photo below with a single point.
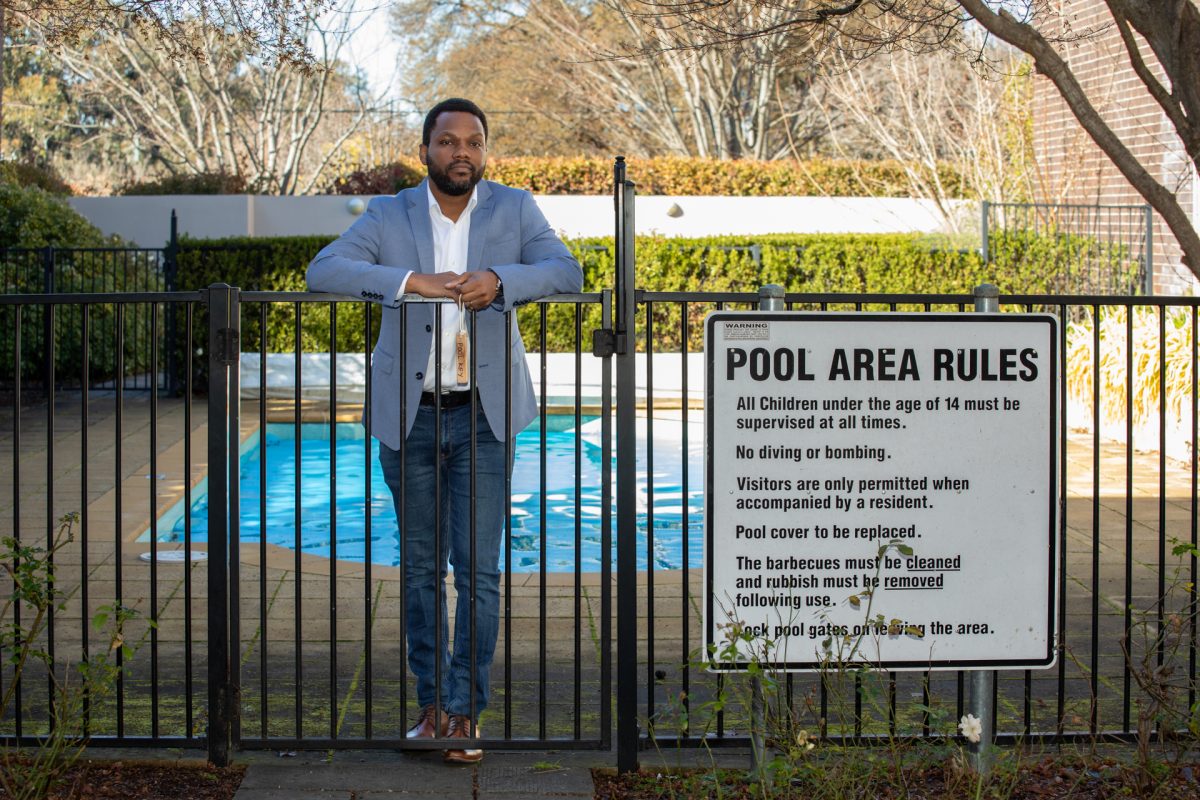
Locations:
(1160, 377)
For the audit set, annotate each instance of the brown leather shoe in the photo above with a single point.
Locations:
(432, 722)
(461, 728)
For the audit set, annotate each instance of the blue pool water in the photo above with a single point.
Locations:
(558, 529)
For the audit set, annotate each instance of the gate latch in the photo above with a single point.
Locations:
(228, 346)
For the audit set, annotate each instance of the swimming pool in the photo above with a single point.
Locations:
(562, 508)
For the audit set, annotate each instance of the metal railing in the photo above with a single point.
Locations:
(304, 648)
(1103, 249)
(312, 662)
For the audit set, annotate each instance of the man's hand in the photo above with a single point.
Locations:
(477, 289)
(438, 284)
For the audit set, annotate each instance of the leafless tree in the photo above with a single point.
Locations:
(230, 112)
(1161, 37)
(273, 29)
(928, 111)
(603, 64)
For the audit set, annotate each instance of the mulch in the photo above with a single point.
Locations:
(1049, 777)
(148, 780)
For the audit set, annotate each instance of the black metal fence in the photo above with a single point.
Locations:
(286, 644)
(51, 270)
(245, 640)
(1105, 248)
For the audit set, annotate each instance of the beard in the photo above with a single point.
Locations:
(450, 186)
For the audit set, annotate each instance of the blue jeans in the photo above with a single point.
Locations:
(425, 567)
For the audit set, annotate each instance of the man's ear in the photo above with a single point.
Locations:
(423, 154)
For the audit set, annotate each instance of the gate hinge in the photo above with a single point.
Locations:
(604, 342)
(228, 346)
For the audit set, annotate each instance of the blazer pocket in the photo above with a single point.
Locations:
(382, 361)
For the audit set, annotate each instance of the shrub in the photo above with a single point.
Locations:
(27, 173)
(32, 217)
(810, 263)
(200, 183)
(666, 176)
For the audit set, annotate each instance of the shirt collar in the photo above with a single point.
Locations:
(435, 210)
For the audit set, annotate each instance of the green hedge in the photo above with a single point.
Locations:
(818, 263)
(667, 176)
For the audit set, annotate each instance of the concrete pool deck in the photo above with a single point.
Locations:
(558, 617)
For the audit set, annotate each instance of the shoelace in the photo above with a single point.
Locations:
(458, 721)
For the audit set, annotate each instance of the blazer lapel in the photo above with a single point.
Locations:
(481, 220)
(422, 228)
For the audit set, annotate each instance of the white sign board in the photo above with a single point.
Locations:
(881, 488)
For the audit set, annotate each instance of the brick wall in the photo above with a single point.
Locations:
(1072, 168)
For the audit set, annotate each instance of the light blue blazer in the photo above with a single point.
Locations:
(394, 237)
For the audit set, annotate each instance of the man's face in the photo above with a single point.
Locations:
(457, 152)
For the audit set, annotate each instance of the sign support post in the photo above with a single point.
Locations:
(770, 298)
(982, 699)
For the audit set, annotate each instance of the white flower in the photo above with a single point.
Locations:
(971, 727)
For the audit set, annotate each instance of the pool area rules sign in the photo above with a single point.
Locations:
(882, 489)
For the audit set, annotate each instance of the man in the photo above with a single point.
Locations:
(488, 248)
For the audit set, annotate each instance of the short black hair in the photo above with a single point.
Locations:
(451, 104)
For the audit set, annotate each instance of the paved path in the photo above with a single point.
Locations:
(360, 775)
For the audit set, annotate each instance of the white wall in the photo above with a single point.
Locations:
(146, 220)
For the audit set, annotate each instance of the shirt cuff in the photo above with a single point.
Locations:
(403, 285)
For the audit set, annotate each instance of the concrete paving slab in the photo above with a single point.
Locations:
(358, 775)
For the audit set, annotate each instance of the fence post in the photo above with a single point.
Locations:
(770, 298)
(981, 701)
(1148, 278)
(628, 736)
(170, 284)
(48, 321)
(223, 347)
(984, 253)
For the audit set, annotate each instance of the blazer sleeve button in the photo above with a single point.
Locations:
(428, 328)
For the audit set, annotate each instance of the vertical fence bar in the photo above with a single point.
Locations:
(651, 675)
(627, 622)
(1162, 483)
(368, 607)
(984, 233)
(263, 710)
(118, 533)
(577, 640)
(187, 517)
(1195, 517)
(606, 498)
(1126, 681)
(154, 696)
(685, 556)
(508, 459)
(1148, 279)
(16, 480)
(223, 305)
(50, 356)
(297, 440)
(85, 355)
(543, 528)
(1094, 711)
(333, 587)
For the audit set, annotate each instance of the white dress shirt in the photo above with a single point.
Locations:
(450, 239)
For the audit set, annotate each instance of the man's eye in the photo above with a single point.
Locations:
(476, 144)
